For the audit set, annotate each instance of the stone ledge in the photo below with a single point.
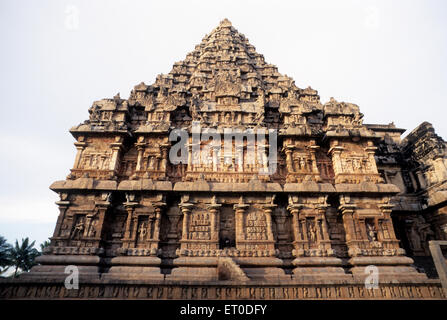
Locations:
(227, 187)
(309, 186)
(367, 187)
(389, 261)
(68, 259)
(282, 290)
(84, 183)
(144, 184)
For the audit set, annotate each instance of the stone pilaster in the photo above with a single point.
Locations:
(240, 209)
(116, 148)
(214, 211)
(80, 147)
(140, 148)
(186, 210)
(63, 205)
(268, 217)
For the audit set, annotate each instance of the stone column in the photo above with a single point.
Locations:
(158, 211)
(303, 223)
(386, 209)
(322, 214)
(294, 209)
(134, 234)
(189, 157)
(362, 225)
(214, 211)
(313, 149)
(102, 207)
(347, 211)
(371, 150)
(63, 205)
(186, 210)
(239, 213)
(264, 163)
(164, 156)
(88, 219)
(150, 222)
(80, 146)
(116, 148)
(336, 151)
(130, 207)
(288, 151)
(140, 147)
(268, 217)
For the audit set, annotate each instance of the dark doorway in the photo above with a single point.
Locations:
(227, 235)
(401, 235)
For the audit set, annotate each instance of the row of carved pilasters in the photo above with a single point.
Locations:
(371, 234)
(116, 146)
(241, 159)
(356, 227)
(262, 214)
(85, 228)
(312, 149)
(112, 165)
(80, 225)
(300, 228)
(142, 145)
(146, 234)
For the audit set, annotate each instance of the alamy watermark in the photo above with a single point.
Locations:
(71, 21)
(72, 280)
(372, 280)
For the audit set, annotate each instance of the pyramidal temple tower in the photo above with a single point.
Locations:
(224, 177)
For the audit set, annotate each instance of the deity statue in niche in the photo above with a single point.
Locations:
(78, 229)
(371, 231)
(311, 230)
(142, 231)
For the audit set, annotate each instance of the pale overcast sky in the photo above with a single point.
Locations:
(57, 57)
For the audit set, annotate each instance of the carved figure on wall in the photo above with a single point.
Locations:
(371, 231)
(312, 231)
(78, 229)
(92, 228)
(424, 229)
(142, 231)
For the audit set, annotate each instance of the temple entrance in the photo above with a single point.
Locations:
(227, 234)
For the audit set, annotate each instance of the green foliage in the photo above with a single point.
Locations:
(44, 245)
(22, 256)
(5, 250)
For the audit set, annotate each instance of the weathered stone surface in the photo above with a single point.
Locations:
(342, 195)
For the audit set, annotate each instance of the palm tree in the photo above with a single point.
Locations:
(44, 245)
(5, 249)
(22, 256)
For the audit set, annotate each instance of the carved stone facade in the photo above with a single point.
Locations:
(328, 210)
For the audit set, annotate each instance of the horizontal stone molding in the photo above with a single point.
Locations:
(204, 186)
(68, 260)
(228, 290)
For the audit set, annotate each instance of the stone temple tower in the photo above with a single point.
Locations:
(225, 174)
